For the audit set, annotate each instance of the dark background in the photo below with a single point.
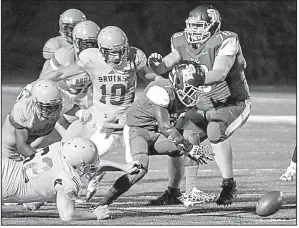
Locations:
(267, 31)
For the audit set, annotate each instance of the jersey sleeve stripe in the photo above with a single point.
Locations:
(14, 123)
(77, 182)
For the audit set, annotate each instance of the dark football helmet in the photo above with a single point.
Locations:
(202, 23)
(187, 78)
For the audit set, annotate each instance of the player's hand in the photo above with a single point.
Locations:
(133, 167)
(154, 60)
(102, 212)
(201, 154)
(84, 115)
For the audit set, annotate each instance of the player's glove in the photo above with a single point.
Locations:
(102, 212)
(26, 92)
(201, 154)
(154, 60)
(84, 115)
(133, 167)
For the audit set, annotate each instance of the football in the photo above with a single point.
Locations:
(269, 203)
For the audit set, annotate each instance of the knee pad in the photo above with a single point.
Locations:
(194, 138)
(214, 132)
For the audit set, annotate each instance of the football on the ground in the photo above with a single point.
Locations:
(269, 203)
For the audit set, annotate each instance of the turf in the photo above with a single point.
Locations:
(262, 152)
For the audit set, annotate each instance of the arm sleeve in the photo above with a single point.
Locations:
(71, 186)
(140, 59)
(17, 116)
(173, 57)
(49, 48)
(230, 46)
(158, 96)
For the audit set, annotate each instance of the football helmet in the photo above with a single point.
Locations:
(113, 45)
(85, 35)
(47, 98)
(81, 154)
(202, 23)
(186, 80)
(67, 21)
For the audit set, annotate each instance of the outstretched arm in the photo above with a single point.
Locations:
(64, 73)
(67, 212)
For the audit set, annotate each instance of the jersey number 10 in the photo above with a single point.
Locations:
(114, 99)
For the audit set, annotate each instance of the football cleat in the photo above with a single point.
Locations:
(167, 198)
(33, 206)
(289, 175)
(228, 194)
(197, 196)
(93, 185)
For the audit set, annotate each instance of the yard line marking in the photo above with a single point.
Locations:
(273, 100)
(216, 170)
(272, 119)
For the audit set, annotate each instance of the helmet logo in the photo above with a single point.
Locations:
(214, 14)
(188, 72)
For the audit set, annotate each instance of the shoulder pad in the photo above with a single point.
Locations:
(137, 56)
(62, 57)
(178, 39)
(158, 95)
(220, 36)
(229, 46)
(20, 113)
(50, 47)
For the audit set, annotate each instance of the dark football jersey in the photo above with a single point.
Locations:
(141, 113)
(234, 87)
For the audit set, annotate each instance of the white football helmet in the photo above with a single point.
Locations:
(113, 45)
(80, 153)
(47, 98)
(67, 21)
(85, 36)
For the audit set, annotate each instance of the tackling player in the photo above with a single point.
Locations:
(113, 68)
(226, 107)
(67, 21)
(32, 118)
(53, 175)
(149, 130)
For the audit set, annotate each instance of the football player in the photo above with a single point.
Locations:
(225, 106)
(113, 68)
(84, 36)
(32, 118)
(53, 175)
(290, 174)
(67, 21)
(149, 131)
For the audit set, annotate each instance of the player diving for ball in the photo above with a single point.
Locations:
(149, 130)
(224, 108)
(53, 175)
(113, 68)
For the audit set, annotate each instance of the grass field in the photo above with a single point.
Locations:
(262, 151)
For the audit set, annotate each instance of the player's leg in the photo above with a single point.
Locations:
(223, 122)
(138, 143)
(176, 168)
(290, 173)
